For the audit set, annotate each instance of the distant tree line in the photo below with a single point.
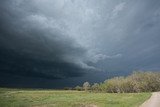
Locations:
(136, 82)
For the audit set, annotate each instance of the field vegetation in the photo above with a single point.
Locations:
(68, 98)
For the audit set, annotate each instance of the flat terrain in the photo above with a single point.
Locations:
(57, 98)
(154, 101)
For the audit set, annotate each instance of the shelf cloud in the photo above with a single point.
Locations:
(60, 39)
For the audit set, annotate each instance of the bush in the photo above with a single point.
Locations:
(78, 88)
(137, 82)
(67, 88)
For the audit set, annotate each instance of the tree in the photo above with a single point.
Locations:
(136, 82)
(95, 87)
(86, 86)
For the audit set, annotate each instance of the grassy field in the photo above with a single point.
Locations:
(57, 98)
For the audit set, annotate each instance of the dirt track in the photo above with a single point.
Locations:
(154, 101)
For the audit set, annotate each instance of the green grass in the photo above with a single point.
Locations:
(57, 98)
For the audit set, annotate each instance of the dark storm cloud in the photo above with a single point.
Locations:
(130, 29)
(31, 46)
(140, 46)
(65, 38)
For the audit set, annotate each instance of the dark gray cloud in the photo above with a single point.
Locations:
(31, 46)
(74, 38)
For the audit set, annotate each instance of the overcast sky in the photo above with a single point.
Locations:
(77, 39)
